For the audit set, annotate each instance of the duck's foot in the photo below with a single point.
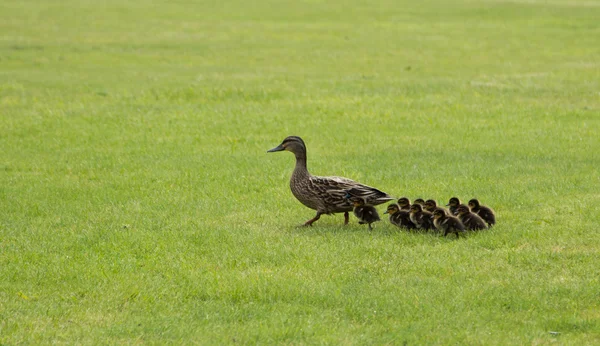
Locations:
(310, 222)
(346, 218)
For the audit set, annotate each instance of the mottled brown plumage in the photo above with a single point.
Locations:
(472, 221)
(486, 213)
(326, 195)
(399, 217)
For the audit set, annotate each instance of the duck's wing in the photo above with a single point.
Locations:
(370, 195)
(331, 191)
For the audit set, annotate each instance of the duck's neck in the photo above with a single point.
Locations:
(300, 171)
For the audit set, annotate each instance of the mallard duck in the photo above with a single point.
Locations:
(486, 213)
(399, 217)
(326, 195)
(365, 213)
(453, 203)
(422, 219)
(404, 203)
(472, 221)
(431, 206)
(447, 223)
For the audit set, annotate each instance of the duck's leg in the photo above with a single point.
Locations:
(310, 222)
(346, 218)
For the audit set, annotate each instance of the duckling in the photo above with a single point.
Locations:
(447, 223)
(399, 217)
(486, 213)
(404, 203)
(453, 203)
(431, 206)
(422, 219)
(472, 221)
(365, 213)
(420, 201)
(326, 195)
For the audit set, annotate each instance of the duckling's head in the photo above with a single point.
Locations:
(392, 209)
(453, 202)
(462, 209)
(419, 201)
(415, 208)
(357, 202)
(403, 201)
(438, 213)
(430, 204)
(474, 203)
(294, 144)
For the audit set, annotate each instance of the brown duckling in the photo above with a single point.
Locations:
(486, 213)
(365, 213)
(431, 206)
(420, 201)
(453, 203)
(404, 203)
(399, 217)
(447, 223)
(472, 221)
(421, 218)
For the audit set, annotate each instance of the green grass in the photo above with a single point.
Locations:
(138, 203)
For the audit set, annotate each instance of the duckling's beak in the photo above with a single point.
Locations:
(386, 212)
(277, 148)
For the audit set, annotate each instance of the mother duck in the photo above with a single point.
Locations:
(326, 195)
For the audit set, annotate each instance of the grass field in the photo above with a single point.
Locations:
(138, 204)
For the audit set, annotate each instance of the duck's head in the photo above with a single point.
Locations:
(430, 204)
(462, 209)
(420, 201)
(415, 208)
(403, 201)
(294, 144)
(438, 213)
(453, 202)
(392, 209)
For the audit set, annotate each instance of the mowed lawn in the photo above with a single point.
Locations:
(138, 204)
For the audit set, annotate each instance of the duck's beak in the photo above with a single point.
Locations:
(277, 148)
(386, 212)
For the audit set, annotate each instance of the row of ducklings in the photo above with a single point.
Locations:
(427, 215)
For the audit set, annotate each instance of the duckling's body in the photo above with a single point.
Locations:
(365, 213)
(472, 221)
(422, 219)
(453, 204)
(486, 213)
(447, 224)
(326, 195)
(399, 217)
